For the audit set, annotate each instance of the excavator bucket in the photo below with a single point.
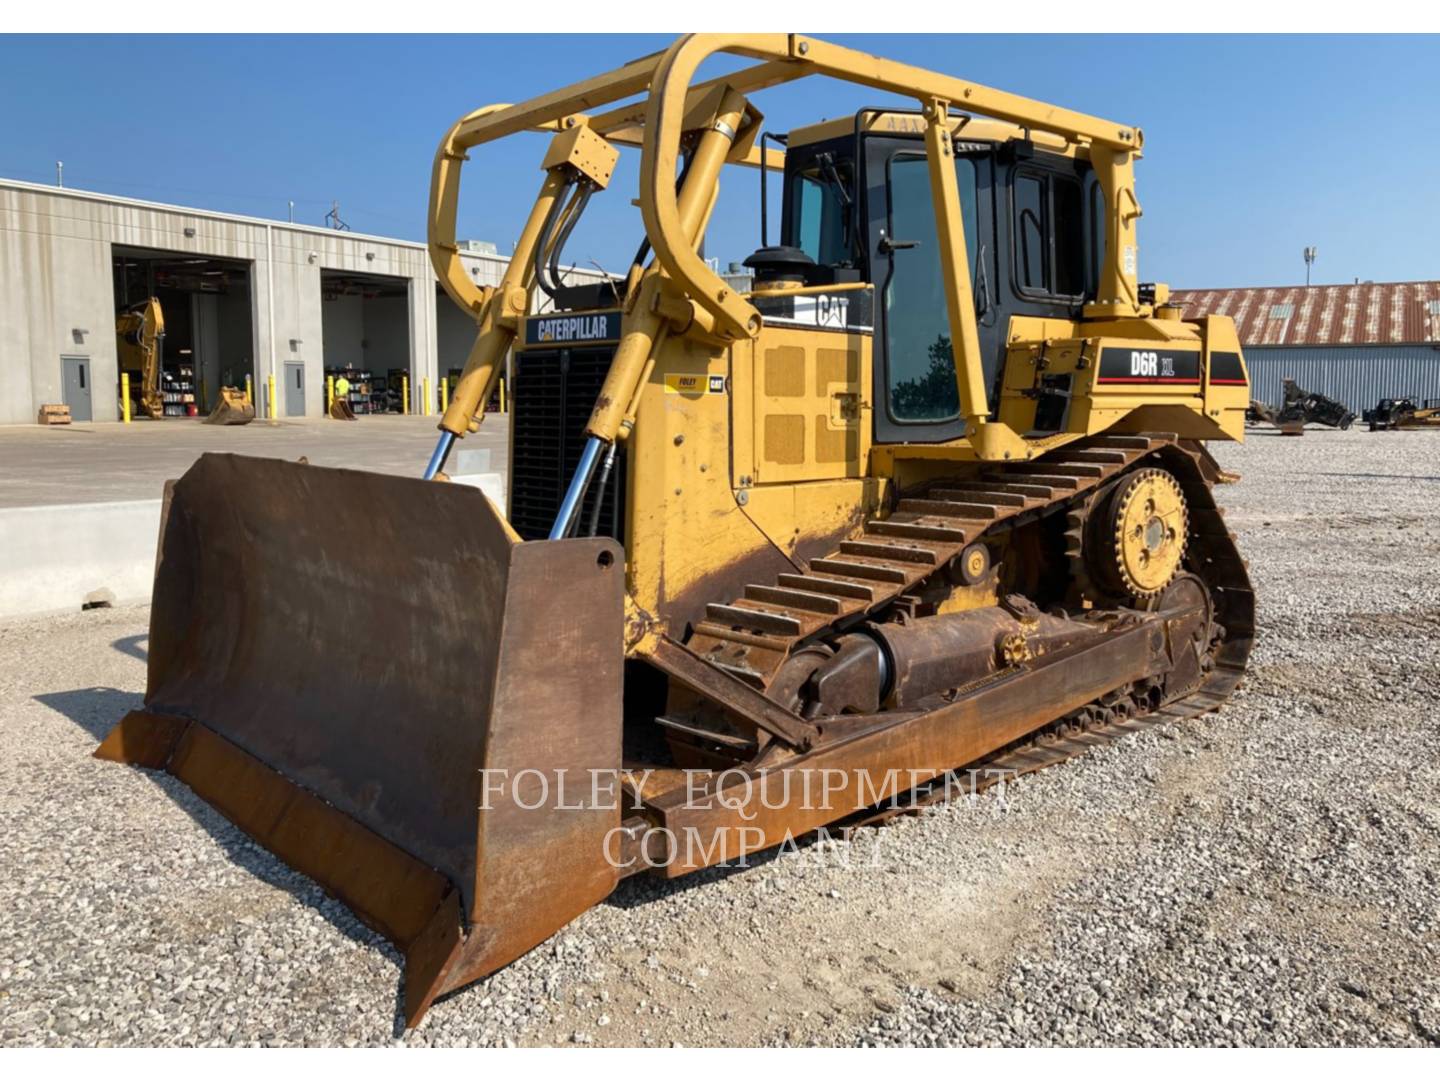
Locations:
(375, 679)
(234, 407)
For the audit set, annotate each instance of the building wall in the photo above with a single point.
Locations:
(1358, 375)
(56, 299)
(57, 292)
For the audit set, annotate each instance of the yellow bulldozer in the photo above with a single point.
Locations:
(927, 500)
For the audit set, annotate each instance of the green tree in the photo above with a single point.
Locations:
(932, 395)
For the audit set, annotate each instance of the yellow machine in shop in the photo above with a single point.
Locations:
(139, 335)
(929, 498)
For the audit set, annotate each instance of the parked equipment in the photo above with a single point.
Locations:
(139, 336)
(1299, 408)
(1393, 414)
(932, 497)
(234, 407)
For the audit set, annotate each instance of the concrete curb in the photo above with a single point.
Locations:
(53, 557)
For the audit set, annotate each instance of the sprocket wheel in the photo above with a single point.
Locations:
(1145, 525)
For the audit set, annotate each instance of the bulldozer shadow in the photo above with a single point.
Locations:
(642, 889)
(96, 709)
(136, 645)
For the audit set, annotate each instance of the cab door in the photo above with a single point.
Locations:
(914, 371)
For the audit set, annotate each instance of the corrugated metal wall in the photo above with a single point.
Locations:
(1358, 375)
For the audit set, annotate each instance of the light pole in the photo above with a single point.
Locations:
(1309, 261)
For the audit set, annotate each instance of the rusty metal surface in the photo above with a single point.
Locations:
(736, 697)
(893, 756)
(751, 636)
(391, 892)
(944, 651)
(1009, 707)
(374, 664)
(143, 739)
(1367, 314)
(1217, 563)
(509, 657)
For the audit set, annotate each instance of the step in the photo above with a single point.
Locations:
(768, 622)
(876, 549)
(853, 569)
(914, 530)
(851, 590)
(794, 598)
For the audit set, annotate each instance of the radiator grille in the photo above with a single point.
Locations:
(553, 394)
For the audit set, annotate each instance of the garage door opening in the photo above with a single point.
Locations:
(365, 327)
(455, 334)
(204, 305)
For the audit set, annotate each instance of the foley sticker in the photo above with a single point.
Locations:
(694, 385)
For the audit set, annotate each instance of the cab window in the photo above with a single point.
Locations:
(1048, 228)
(819, 213)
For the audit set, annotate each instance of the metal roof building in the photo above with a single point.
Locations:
(1355, 343)
(243, 299)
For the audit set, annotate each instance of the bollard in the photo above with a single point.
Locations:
(425, 394)
(444, 395)
(125, 396)
(270, 398)
(502, 395)
(329, 393)
(249, 395)
(404, 395)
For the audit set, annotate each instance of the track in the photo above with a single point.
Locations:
(751, 637)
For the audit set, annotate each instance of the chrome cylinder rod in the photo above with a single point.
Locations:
(578, 483)
(442, 451)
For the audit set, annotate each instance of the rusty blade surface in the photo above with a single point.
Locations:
(383, 645)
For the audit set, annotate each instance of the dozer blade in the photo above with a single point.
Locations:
(357, 670)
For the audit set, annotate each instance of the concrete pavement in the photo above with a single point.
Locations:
(84, 463)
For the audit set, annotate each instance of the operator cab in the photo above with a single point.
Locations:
(857, 208)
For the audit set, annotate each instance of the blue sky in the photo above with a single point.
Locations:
(1255, 147)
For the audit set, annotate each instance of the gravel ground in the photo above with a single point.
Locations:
(1266, 875)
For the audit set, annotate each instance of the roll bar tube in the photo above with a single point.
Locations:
(668, 79)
